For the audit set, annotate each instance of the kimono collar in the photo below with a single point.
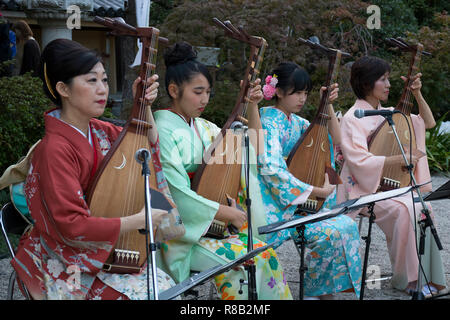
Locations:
(363, 104)
(289, 118)
(56, 126)
(56, 113)
(191, 124)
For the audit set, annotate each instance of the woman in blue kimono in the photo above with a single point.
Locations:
(332, 249)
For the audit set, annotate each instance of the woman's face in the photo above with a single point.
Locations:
(291, 103)
(381, 87)
(87, 93)
(192, 97)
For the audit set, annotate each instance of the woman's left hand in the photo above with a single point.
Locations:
(334, 92)
(255, 94)
(152, 90)
(416, 84)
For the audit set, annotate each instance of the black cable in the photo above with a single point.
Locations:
(414, 206)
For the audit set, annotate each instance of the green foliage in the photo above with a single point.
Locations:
(435, 68)
(4, 196)
(438, 148)
(22, 104)
(160, 10)
(424, 10)
(338, 24)
(397, 17)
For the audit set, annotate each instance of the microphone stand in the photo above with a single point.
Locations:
(250, 266)
(423, 224)
(143, 156)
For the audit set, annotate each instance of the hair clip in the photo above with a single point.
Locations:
(47, 82)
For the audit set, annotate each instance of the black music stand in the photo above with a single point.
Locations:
(342, 208)
(203, 276)
(299, 223)
(251, 268)
(443, 192)
(425, 223)
(369, 201)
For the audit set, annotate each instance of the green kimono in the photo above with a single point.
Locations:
(182, 149)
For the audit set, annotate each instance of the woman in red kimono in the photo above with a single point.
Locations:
(63, 255)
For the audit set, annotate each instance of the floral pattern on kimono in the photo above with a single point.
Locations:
(332, 249)
(65, 243)
(182, 150)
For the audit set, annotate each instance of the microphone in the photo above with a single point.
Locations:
(236, 125)
(142, 155)
(360, 113)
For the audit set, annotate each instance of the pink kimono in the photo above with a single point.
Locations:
(361, 174)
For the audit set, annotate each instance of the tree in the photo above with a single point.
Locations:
(338, 23)
(280, 22)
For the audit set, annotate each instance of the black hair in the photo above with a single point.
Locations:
(182, 65)
(365, 72)
(64, 59)
(292, 78)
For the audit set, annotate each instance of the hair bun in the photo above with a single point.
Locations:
(180, 52)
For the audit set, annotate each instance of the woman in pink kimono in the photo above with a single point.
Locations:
(361, 173)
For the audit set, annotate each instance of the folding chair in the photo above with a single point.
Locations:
(12, 222)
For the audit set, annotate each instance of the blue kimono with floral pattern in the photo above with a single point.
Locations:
(332, 250)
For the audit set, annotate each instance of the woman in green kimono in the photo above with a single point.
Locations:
(184, 137)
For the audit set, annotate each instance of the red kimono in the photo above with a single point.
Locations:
(60, 257)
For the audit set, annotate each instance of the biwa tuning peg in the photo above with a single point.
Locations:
(403, 45)
(314, 43)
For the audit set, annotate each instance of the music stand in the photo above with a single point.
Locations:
(443, 192)
(212, 272)
(369, 201)
(250, 267)
(299, 223)
(324, 214)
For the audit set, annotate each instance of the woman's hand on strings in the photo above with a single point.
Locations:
(324, 191)
(151, 91)
(397, 160)
(412, 157)
(232, 214)
(157, 217)
(416, 84)
(137, 221)
(334, 92)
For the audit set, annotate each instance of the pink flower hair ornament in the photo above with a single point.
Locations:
(270, 87)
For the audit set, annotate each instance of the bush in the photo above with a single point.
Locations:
(435, 68)
(438, 148)
(22, 104)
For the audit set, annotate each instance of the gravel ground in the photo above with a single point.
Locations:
(378, 260)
